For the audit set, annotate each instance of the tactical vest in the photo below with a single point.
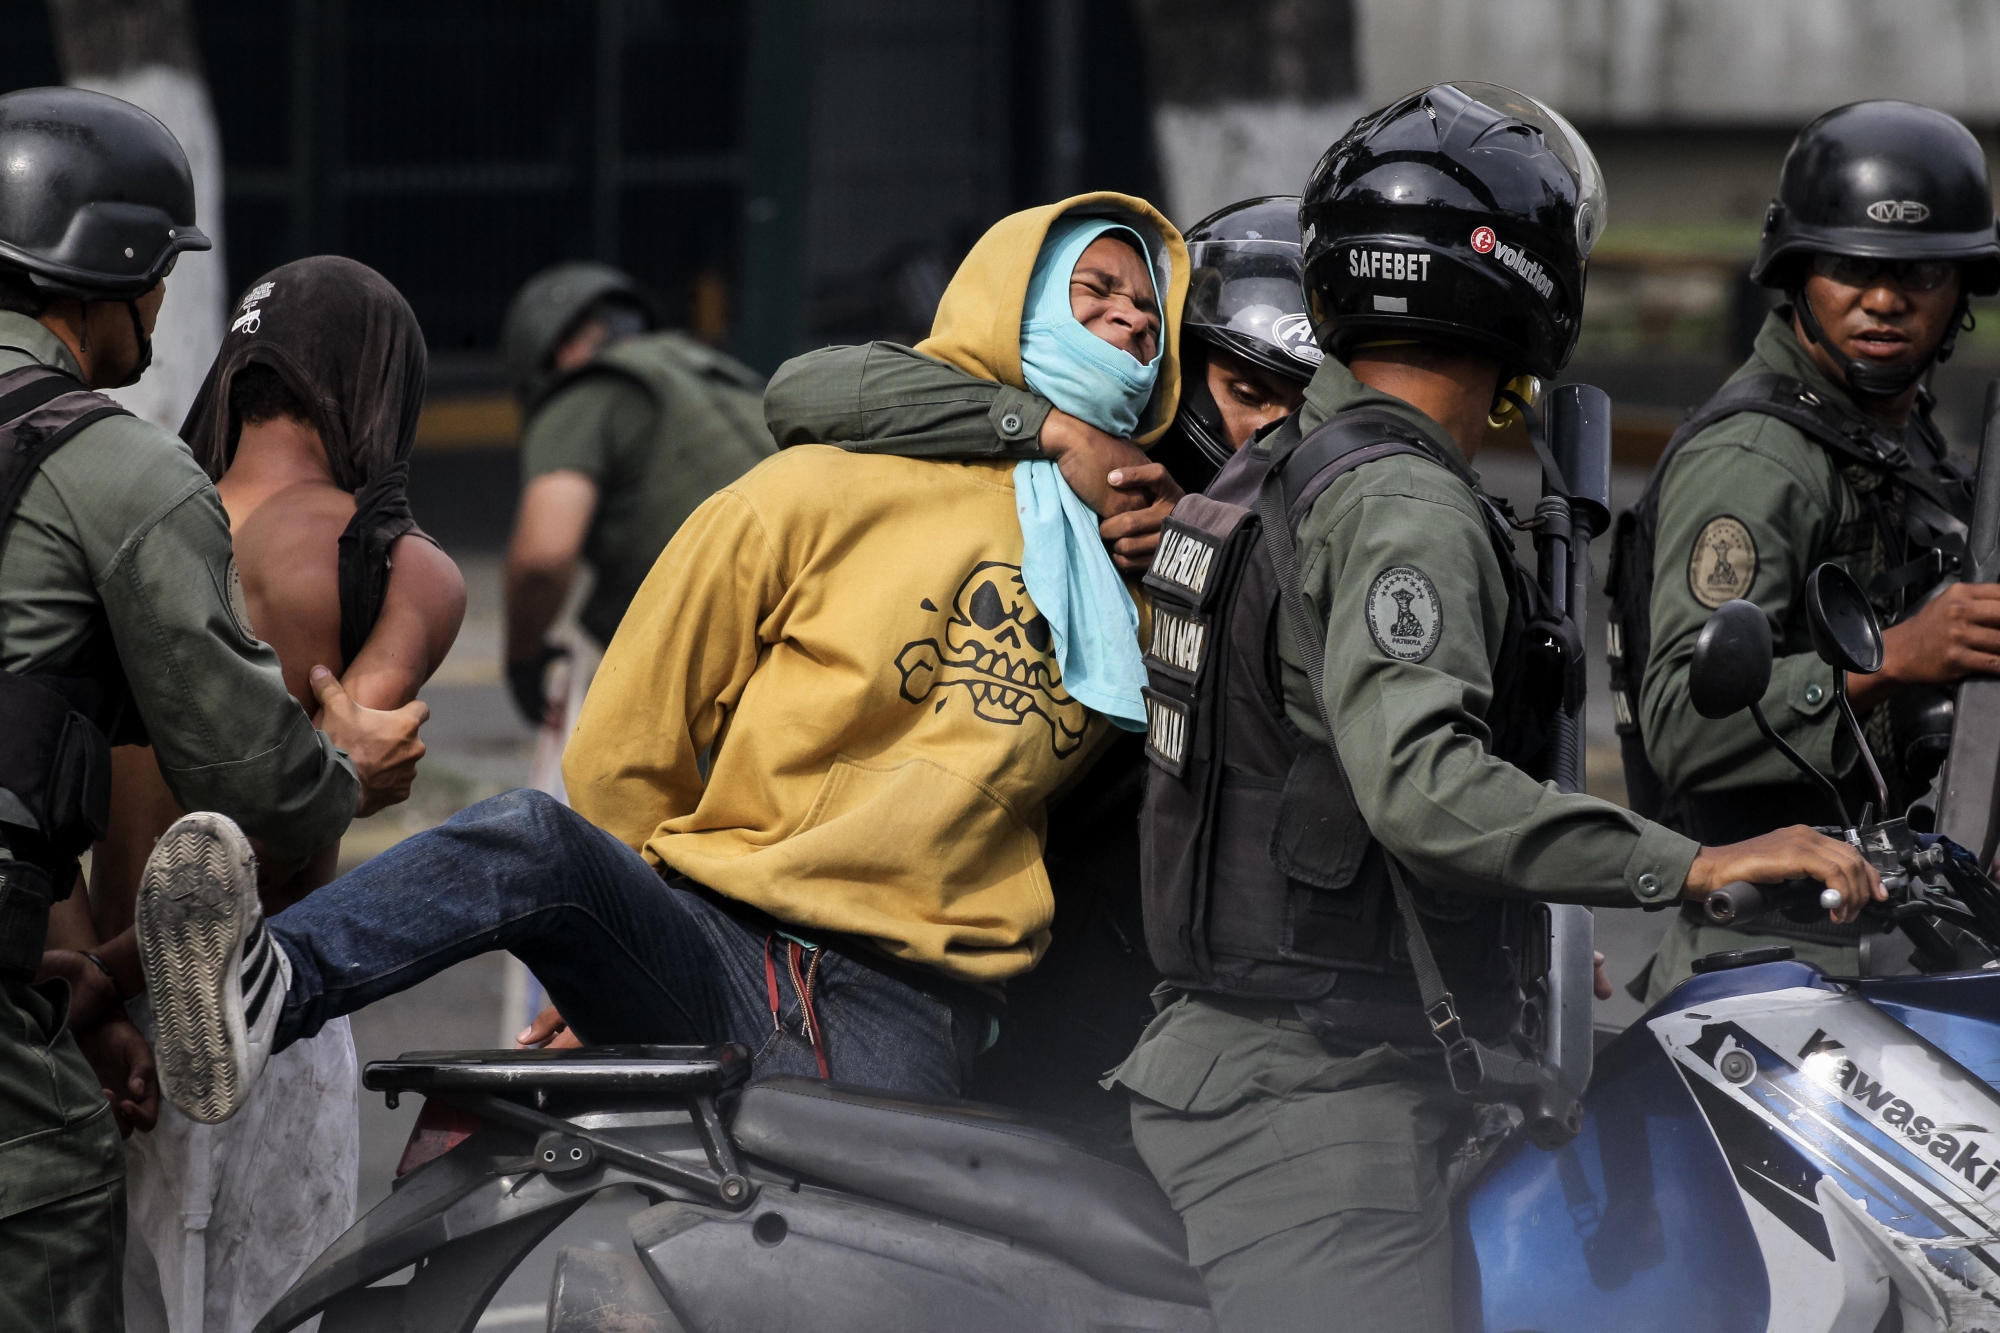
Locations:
(1922, 546)
(1260, 877)
(55, 755)
(708, 430)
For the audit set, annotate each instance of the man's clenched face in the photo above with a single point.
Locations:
(1111, 294)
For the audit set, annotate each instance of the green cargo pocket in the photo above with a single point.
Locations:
(1166, 1070)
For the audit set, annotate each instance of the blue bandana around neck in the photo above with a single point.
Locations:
(1067, 571)
(1063, 361)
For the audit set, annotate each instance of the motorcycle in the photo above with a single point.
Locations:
(1769, 1148)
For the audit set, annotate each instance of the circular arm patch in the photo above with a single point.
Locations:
(1723, 563)
(1405, 617)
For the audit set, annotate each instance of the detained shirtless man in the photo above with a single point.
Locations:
(305, 421)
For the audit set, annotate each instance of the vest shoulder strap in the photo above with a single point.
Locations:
(1340, 445)
(41, 410)
(1844, 434)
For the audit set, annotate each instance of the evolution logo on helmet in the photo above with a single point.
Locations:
(1483, 240)
(1899, 210)
(1513, 258)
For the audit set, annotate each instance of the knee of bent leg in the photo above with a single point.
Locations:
(539, 818)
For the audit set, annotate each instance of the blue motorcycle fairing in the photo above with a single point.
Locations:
(1635, 1225)
(1958, 1013)
(1826, 1152)
(1638, 1223)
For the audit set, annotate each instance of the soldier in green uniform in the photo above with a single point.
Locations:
(628, 427)
(121, 620)
(1291, 1096)
(1821, 447)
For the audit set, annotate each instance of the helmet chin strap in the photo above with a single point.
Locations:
(1864, 378)
(145, 347)
(1201, 421)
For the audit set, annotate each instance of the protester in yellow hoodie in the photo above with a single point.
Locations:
(830, 722)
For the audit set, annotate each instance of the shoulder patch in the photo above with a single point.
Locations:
(1404, 615)
(1723, 563)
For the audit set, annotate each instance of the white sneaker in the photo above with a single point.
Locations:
(216, 977)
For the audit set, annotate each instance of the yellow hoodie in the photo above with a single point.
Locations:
(851, 635)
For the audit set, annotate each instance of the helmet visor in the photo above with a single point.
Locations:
(1251, 288)
(1592, 203)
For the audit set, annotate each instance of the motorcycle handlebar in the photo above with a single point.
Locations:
(1734, 902)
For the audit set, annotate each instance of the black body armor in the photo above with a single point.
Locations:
(55, 747)
(1260, 877)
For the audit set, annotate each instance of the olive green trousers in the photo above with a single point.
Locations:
(1312, 1185)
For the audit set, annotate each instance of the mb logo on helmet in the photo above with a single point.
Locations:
(1899, 210)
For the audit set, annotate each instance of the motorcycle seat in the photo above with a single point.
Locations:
(1030, 1178)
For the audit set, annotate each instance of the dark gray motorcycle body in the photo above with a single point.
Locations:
(857, 1211)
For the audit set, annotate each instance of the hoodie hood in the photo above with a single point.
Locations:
(978, 324)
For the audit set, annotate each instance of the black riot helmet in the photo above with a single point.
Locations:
(1462, 213)
(96, 198)
(1881, 180)
(552, 303)
(1245, 296)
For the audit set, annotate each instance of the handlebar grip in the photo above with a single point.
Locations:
(1733, 901)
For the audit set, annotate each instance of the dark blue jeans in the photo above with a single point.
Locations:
(625, 955)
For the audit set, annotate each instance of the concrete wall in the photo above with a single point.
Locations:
(1735, 62)
(1689, 103)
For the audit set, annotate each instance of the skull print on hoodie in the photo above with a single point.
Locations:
(851, 636)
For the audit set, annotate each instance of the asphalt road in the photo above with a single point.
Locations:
(478, 747)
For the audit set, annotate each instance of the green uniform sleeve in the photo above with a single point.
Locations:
(587, 426)
(142, 523)
(1741, 514)
(884, 398)
(1411, 734)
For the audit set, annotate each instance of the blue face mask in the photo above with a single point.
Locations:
(1063, 361)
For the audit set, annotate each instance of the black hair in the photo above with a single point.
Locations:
(259, 393)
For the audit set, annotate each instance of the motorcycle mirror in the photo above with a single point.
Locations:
(1847, 637)
(1731, 667)
(1845, 632)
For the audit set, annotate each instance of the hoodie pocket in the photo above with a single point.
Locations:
(920, 825)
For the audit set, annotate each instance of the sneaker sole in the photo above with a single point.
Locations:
(194, 905)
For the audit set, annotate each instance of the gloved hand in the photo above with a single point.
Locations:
(525, 681)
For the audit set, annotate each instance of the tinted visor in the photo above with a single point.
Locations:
(1252, 289)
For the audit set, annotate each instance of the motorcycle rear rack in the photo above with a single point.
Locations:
(489, 1084)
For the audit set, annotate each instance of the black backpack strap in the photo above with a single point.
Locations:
(55, 763)
(1338, 447)
(26, 439)
(1846, 435)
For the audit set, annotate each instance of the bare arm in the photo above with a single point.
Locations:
(555, 514)
(421, 614)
